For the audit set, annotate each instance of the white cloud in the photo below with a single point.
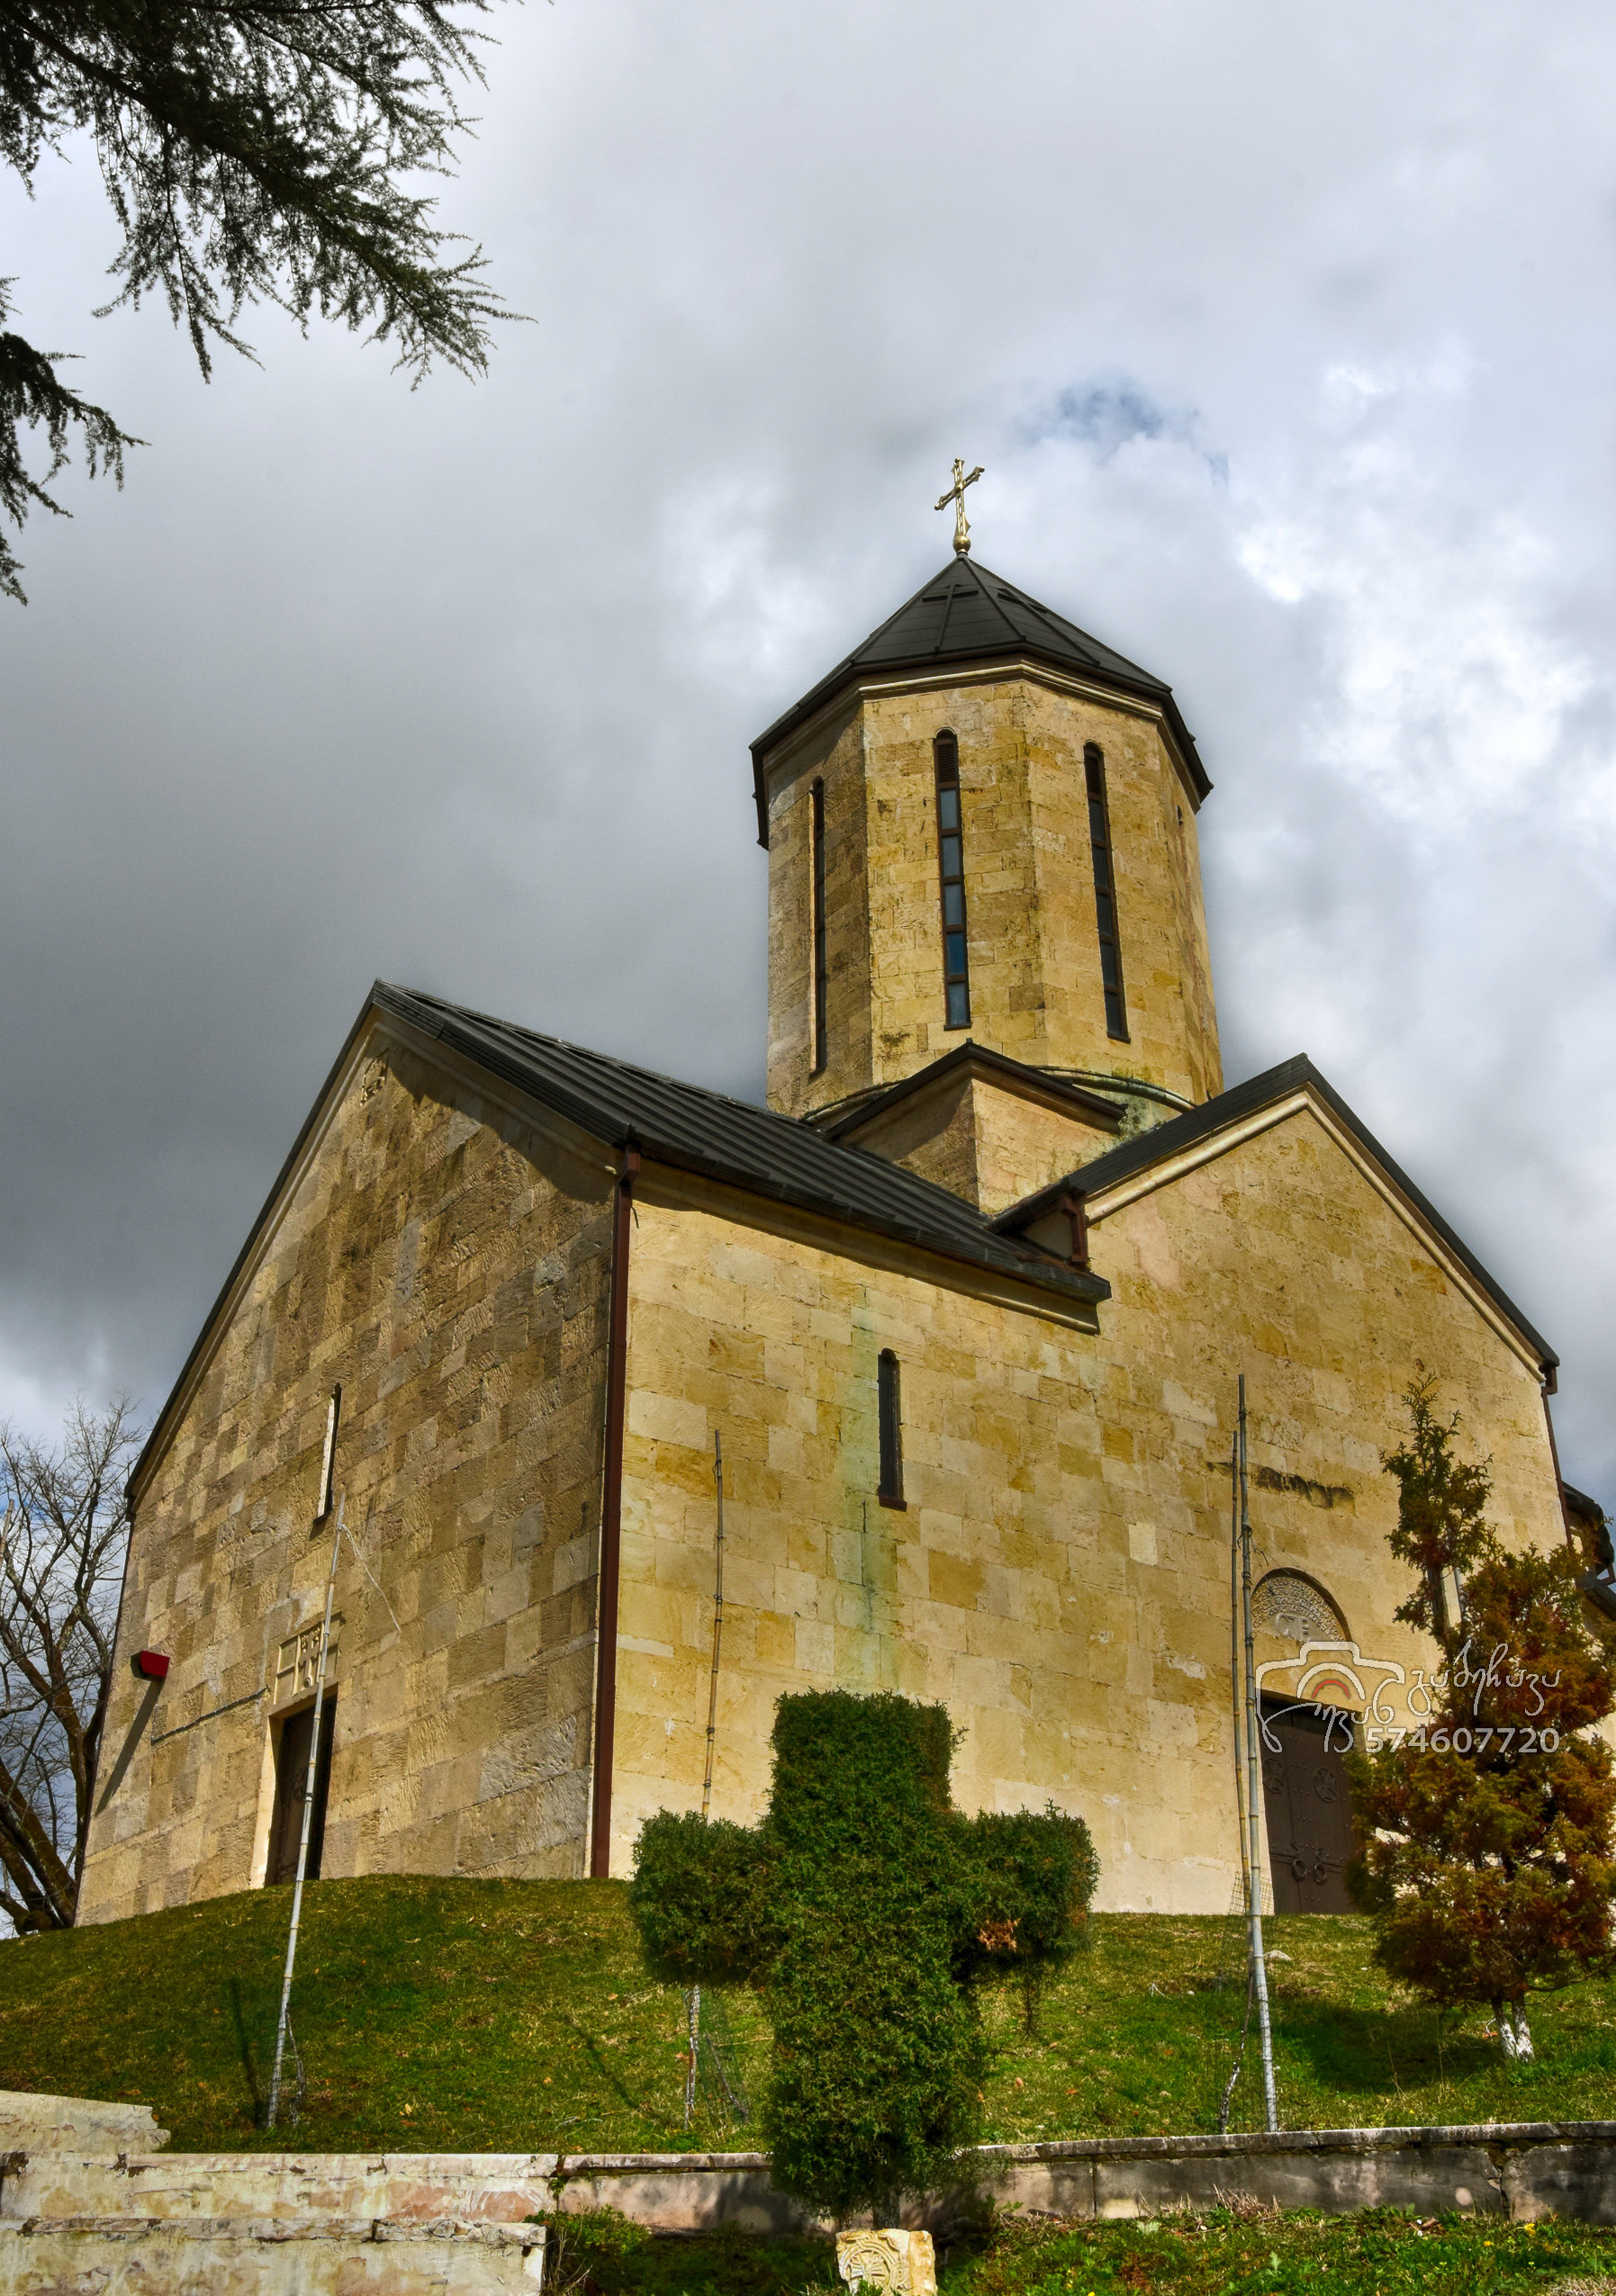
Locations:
(1284, 337)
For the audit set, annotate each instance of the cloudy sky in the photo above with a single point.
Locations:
(1285, 334)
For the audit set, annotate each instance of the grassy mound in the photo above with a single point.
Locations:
(473, 2016)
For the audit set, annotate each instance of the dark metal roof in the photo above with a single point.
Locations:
(1180, 1133)
(623, 1107)
(968, 614)
(733, 1140)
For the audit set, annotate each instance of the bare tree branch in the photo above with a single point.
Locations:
(63, 1531)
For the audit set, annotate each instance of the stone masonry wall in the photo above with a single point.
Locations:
(990, 1146)
(1023, 1147)
(1161, 922)
(1035, 990)
(1059, 1575)
(449, 1264)
(1280, 1259)
(773, 1342)
(836, 756)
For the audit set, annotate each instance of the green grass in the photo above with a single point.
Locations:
(472, 2016)
(1377, 2254)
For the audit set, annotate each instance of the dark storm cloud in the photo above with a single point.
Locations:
(456, 685)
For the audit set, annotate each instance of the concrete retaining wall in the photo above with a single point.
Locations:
(1513, 2169)
(80, 2209)
(1518, 2170)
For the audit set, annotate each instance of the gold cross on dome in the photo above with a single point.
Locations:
(956, 495)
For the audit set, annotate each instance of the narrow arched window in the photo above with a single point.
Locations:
(328, 1459)
(821, 959)
(890, 1407)
(1105, 893)
(951, 868)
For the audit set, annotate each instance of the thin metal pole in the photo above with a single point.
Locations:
(712, 1695)
(309, 1778)
(1260, 1975)
(1236, 1686)
(1237, 1700)
(693, 2001)
(694, 2036)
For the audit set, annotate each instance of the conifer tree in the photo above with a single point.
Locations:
(1487, 1858)
(252, 150)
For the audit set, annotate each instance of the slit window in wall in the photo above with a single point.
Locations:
(950, 866)
(1105, 895)
(328, 1463)
(890, 1407)
(821, 959)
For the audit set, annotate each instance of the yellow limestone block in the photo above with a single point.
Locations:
(902, 2260)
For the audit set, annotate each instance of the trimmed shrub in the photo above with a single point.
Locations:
(867, 1910)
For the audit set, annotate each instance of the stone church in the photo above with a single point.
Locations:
(964, 1306)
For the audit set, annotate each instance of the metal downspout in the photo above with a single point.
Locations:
(612, 1524)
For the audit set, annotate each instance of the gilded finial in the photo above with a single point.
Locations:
(956, 495)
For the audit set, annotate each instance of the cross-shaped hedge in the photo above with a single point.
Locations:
(866, 1910)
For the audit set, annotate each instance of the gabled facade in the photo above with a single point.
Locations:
(965, 1306)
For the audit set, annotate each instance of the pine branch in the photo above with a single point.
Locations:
(32, 396)
(253, 151)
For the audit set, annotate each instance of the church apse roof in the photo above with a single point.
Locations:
(968, 614)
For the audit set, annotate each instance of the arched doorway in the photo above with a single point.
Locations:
(1304, 1744)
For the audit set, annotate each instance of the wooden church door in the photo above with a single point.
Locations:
(1304, 1800)
(292, 1784)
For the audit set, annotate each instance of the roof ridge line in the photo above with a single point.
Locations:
(592, 1052)
(959, 1205)
(984, 574)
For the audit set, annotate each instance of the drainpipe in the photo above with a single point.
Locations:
(611, 1523)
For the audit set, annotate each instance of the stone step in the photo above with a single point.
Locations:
(314, 2255)
(32, 2121)
(493, 2187)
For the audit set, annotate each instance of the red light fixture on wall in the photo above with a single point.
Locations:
(151, 1664)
